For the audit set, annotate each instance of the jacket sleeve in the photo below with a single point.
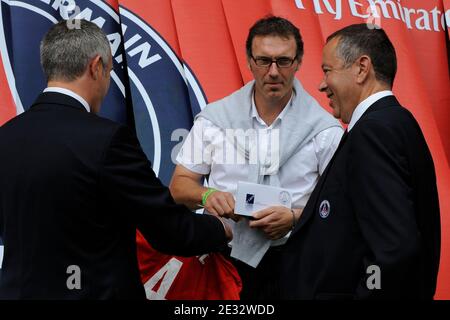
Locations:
(132, 189)
(382, 198)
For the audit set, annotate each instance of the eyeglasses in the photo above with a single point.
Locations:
(265, 62)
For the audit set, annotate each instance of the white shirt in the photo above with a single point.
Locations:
(70, 93)
(365, 104)
(299, 174)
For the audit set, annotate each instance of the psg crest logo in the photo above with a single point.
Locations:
(324, 209)
(147, 73)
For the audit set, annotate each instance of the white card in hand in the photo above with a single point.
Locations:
(253, 197)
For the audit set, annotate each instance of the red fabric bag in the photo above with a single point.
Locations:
(166, 277)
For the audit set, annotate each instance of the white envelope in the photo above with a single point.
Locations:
(252, 197)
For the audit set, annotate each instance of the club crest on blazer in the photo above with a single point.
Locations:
(324, 209)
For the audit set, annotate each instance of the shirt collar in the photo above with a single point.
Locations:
(365, 104)
(69, 93)
(254, 112)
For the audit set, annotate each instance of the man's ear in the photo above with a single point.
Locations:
(249, 65)
(95, 67)
(364, 67)
(299, 63)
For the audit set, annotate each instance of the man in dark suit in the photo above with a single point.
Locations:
(74, 187)
(371, 228)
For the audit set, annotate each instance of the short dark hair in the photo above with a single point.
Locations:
(277, 26)
(68, 46)
(366, 39)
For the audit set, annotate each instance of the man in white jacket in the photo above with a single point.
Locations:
(288, 140)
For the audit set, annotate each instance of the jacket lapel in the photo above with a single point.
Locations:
(312, 202)
(309, 209)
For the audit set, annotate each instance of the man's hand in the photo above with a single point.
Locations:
(228, 230)
(275, 221)
(221, 204)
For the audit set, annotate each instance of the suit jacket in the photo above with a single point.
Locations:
(73, 189)
(375, 205)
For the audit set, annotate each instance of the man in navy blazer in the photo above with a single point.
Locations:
(74, 187)
(371, 228)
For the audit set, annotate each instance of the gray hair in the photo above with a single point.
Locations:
(363, 39)
(67, 50)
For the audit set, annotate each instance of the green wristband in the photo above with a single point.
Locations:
(207, 194)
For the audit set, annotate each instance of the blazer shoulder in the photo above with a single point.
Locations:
(99, 126)
(392, 129)
(394, 117)
(101, 121)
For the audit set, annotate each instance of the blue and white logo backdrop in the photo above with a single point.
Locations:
(151, 89)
